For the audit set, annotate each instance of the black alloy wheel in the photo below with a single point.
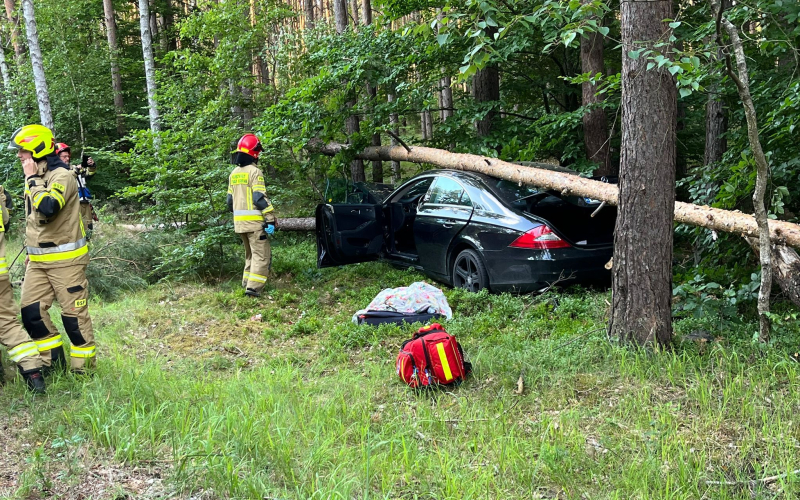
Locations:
(469, 272)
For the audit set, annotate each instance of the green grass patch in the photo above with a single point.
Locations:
(197, 388)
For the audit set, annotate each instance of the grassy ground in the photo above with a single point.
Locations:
(197, 396)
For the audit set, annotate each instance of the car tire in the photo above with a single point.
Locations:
(469, 272)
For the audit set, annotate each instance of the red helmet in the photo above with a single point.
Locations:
(249, 145)
(61, 147)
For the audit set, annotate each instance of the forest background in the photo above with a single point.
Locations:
(514, 80)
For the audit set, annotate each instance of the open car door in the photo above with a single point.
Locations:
(348, 233)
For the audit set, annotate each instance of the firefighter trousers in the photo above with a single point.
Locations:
(21, 349)
(257, 260)
(69, 286)
(86, 216)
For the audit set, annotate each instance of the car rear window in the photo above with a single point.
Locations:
(511, 192)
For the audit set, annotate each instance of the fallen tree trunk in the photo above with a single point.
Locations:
(716, 219)
(297, 224)
(785, 268)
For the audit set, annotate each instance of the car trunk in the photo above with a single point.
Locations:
(572, 220)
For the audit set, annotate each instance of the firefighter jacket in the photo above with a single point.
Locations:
(82, 174)
(5, 205)
(247, 199)
(54, 232)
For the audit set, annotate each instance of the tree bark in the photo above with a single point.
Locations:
(6, 82)
(13, 21)
(716, 126)
(426, 122)
(395, 124)
(786, 267)
(354, 12)
(486, 88)
(42, 95)
(116, 77)
(297, 224)
(741, 79)
(366, 11)
(595, 125)
(642, 277)
(149, 66)
(308, 8)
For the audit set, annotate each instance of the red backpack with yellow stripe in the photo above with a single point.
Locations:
(432, 358)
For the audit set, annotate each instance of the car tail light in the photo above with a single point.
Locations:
(540, 237)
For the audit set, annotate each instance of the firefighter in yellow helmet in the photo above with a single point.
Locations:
(21, 349)
(253, 216)
(58, 252)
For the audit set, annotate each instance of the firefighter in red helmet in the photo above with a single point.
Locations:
(83, 171)
(253, 214)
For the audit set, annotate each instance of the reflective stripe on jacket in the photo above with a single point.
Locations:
(247, 198)
(54, 235)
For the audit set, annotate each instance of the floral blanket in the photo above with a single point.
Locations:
(416, 298)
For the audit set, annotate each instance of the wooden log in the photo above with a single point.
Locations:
(727, 221)
(297, 224)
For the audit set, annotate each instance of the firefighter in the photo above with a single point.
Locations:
(253, 217)
(21, 349)
(82, 171)
(58, 252)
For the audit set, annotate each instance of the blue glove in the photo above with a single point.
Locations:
(269, 229)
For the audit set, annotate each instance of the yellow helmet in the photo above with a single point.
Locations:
(37, 139)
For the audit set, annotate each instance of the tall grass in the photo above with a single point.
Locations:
(304, 404)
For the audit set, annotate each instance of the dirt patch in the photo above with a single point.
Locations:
(31, 469)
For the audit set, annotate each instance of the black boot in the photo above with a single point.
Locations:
(252, 293)
(58, 362)
(34, 379)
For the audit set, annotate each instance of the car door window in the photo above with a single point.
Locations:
(413, 192)
(446, 191)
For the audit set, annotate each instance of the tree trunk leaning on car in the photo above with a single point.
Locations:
(726, 221)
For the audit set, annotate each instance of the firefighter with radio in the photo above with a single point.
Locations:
(58, 252)
(82, 171)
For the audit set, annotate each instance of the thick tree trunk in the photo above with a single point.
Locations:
(486, 88)
(149, 65)
(13, 21)
(786, 267)
(734, 222)
(116, 77)
(741, 79)
(595, 125)
(42, 95)
(354, 12)
(642, 284)
(395, 123)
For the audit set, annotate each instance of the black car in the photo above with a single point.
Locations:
(473, 231)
